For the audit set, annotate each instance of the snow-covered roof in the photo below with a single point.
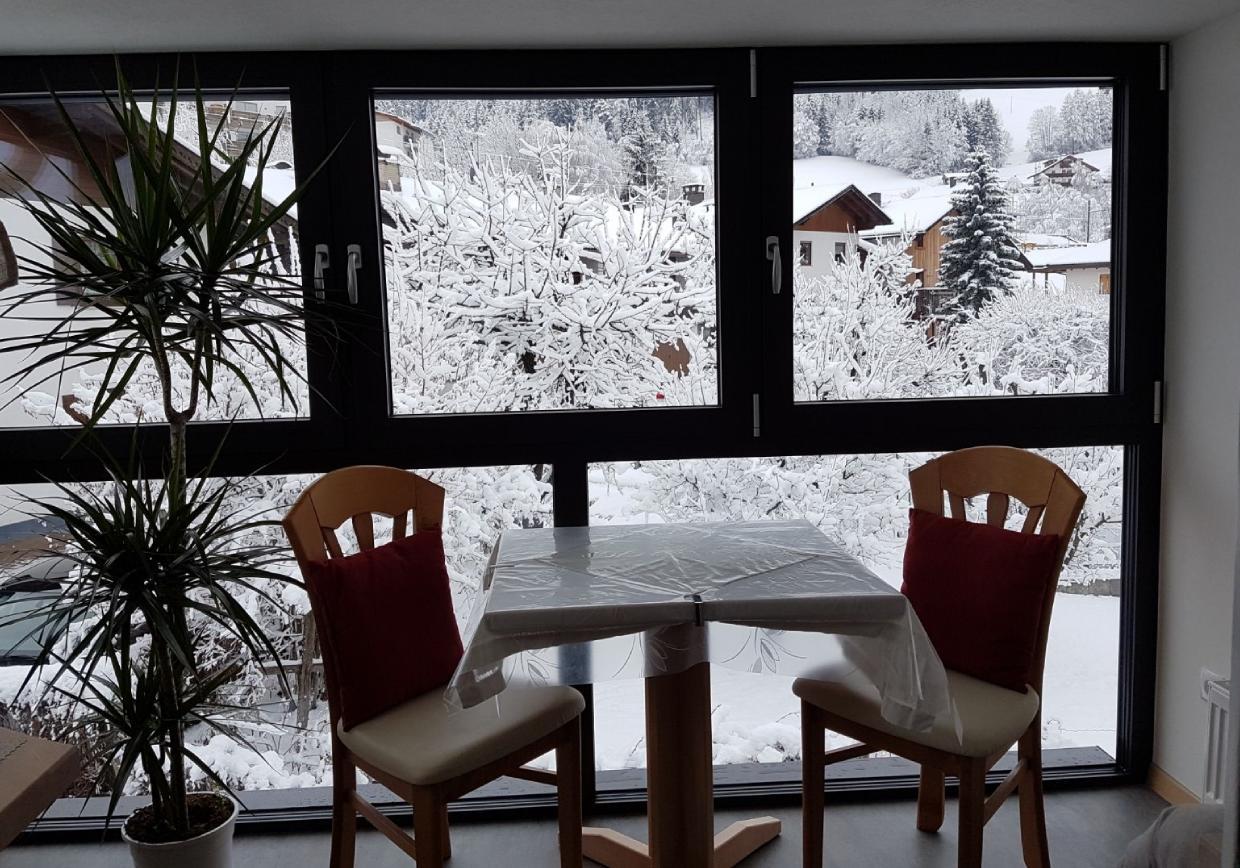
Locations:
(1095, 255)
(1041, 239)
(818, 180)
(915, 212)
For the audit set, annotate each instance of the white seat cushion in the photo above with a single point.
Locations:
(992, 718)
(423, 742)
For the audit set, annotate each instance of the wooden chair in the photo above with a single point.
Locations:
(993, 718)
(419, 750)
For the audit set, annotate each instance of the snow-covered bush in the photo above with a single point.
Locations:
(529, 290)
(855, 332)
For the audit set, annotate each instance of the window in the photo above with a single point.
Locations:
(975, 209)
(560, 307)
(862, 501)
(35, 142)
(548, 254)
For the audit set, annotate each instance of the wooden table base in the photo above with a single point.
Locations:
(680, 776)
(730, 847)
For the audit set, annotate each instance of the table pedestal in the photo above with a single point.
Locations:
(680, 777)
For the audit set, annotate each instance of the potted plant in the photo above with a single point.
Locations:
(168, 262)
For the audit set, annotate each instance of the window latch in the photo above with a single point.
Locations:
(777, 268)
(322, 261)
(355, 262)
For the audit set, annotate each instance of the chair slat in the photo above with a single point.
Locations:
(400, 526)
(332, 543)
(1032, 519)
(957, 504)
(997, 508)
(364, 529)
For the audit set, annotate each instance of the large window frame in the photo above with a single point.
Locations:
(350, 422)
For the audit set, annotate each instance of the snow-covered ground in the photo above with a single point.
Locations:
(756, 718)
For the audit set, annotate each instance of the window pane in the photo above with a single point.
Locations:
(971, 232)
(862, 502)
(548, 254)
(481, 502)
(37, 146)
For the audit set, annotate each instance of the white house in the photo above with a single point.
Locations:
(1084, 267)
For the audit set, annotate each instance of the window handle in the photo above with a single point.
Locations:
(777, 270)
(355, 262)
(322, 261)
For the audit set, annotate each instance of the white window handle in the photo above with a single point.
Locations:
(355, 262)
(777, 269)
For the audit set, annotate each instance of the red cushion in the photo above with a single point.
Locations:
(978, 591)
(386, 624)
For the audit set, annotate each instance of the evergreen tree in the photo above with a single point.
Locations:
(980, 260)
(984, 132)
(644, 149)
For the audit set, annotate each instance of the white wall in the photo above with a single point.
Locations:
(823, 257)
(1086, 279)
(1203, 390)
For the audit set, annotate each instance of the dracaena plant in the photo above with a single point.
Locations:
(169, 259)
(153, 573)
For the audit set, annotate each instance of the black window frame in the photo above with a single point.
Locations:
(350, 422)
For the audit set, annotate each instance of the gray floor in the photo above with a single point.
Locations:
(1088, 829)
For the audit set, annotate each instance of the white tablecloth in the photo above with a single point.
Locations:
(578, 605)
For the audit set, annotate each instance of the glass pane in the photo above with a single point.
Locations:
(862, 502)
(38, 147)
(481, 502)
(951, 243)
(548, 254)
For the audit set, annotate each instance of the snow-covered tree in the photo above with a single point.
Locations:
(1080, 210)
(1034, 341)
(1043, 141)
(1082, 123)
(533, 290)
(981, 259)
(856, 335)
(984, 132)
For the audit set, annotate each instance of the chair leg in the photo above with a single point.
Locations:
(972, 812)
(930, 800)
(428, 829)
(446, 845)
(568, 795)
(813, 767)
(344, 815)
(1032, 809)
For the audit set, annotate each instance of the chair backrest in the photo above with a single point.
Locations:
(355, 495)
(1053, 501)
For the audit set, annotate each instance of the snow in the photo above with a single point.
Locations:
(756, 718)
(838, 172)
(914, 210)
(1076, 255)
(1042, 239)
(816, 180)
(1100, 159)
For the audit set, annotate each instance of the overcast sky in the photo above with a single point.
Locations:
(1015, 105)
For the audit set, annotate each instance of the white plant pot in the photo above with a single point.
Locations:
(209, 850)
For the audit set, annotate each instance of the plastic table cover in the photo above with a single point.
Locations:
(578, 605)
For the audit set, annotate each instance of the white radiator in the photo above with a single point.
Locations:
(1217, 693)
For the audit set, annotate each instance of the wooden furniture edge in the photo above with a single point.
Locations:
(1171, 790)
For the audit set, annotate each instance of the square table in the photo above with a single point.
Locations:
(674, 584)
